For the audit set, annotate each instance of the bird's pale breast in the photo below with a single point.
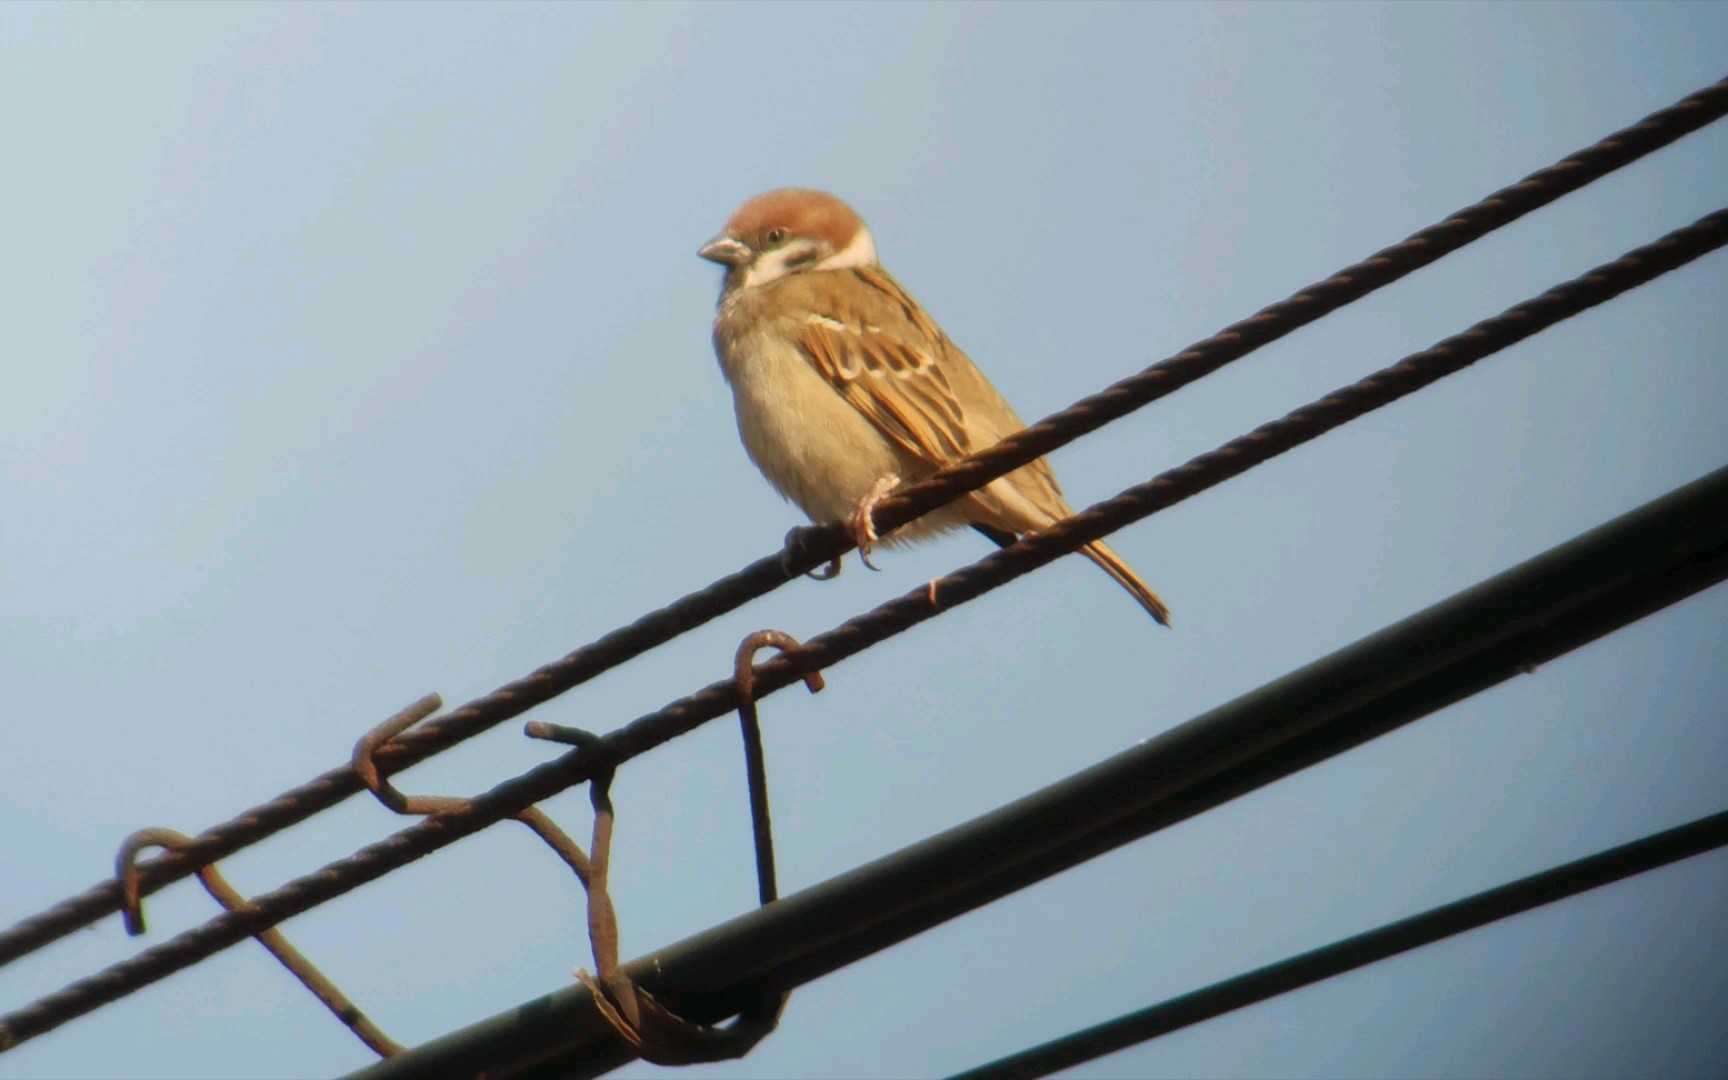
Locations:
(814, 447)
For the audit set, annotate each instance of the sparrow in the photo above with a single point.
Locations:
(844, 385)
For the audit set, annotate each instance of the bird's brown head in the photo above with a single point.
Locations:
(789, 231)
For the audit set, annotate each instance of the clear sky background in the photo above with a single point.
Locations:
(355, 352)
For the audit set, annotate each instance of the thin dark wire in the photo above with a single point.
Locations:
(1306, 306)
(274, 941)
(764, 575)
(1235, 457)
(1361, 950)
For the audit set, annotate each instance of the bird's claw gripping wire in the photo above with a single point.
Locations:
(860, 525)
(862, 522)
(796, 539)
(132, 910)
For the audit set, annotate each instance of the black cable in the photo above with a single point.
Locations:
(1361, 950)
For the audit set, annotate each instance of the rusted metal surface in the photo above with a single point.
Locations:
(327, 992)
(755, 762)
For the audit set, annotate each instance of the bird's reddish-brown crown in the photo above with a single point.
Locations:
(801, 212)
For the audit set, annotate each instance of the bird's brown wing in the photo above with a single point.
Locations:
(880, 351)
(890, 360)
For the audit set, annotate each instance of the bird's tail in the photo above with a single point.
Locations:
(1112, 564)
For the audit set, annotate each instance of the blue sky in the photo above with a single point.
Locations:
(354, 352)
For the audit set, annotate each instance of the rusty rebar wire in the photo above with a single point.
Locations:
(1540, 188)
(365, 762)
(1199, 474)
(755, 761)
(653, 1031)
(328, 993)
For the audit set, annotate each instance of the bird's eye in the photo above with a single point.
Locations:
(776, 235)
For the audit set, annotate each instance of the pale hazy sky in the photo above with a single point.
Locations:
(354, 352)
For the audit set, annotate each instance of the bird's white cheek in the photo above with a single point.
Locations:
(767, 267)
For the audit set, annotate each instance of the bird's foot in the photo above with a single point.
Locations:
(861, 525)
(794, 547)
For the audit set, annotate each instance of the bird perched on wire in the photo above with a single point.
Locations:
(844, 385)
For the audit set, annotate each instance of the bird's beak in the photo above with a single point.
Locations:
(725, 251)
